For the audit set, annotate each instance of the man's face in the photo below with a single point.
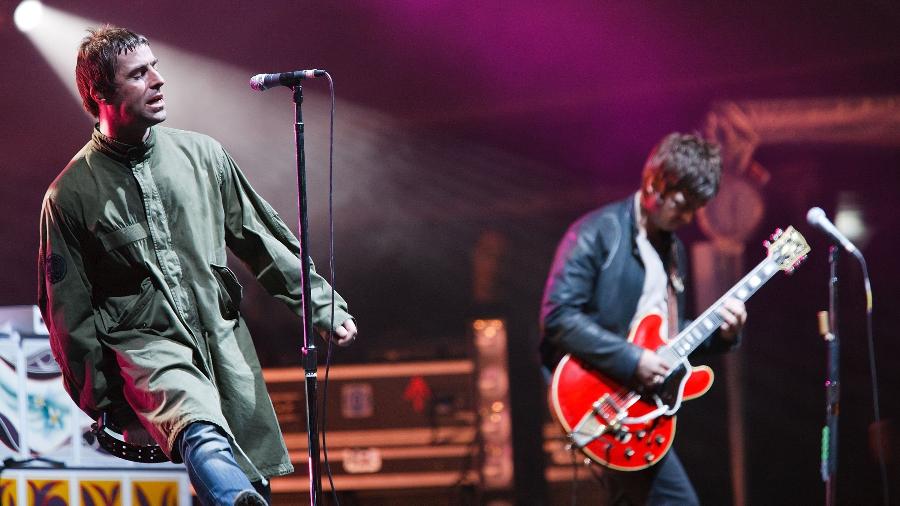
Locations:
(672, 210)
(137, 102)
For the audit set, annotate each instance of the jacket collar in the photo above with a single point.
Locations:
(120, 151)
(631, 216)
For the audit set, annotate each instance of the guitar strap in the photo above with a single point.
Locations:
(673, 286)
(672, 302)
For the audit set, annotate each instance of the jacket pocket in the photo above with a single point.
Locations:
(230, 291)
(128, 311)
(124, 235)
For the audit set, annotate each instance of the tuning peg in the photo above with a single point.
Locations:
(767, 244)
(777, 234)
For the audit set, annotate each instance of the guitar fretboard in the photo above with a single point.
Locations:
(700, 329)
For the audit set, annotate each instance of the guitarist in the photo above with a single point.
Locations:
(144, 315)
(620, 262)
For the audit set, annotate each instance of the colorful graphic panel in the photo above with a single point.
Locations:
(100, 493)
(48, 492)
(155, 493)
(9, 494)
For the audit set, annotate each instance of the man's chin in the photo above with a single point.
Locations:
(671, 226)
(157, 118)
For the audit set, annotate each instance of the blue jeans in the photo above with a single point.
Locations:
(211, 465)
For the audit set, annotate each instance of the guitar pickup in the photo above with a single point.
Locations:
(605, 416)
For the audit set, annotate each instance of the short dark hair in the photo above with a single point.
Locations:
(686, 163)
(95, 67)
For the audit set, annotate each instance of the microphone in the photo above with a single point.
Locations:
(262, 82)
(816, 217)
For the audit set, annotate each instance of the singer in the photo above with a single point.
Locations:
(144, 315)
(621, 262)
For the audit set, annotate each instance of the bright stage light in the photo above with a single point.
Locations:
(196, 89)
(28, 15)
(376, 157)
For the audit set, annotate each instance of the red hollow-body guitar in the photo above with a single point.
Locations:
(628, 429)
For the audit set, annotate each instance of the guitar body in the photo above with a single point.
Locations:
(617, 427)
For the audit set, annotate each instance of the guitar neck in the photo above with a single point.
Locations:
(700, 329)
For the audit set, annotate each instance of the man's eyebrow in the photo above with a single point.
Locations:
(143, 66)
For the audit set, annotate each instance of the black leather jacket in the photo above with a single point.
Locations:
(593, 290)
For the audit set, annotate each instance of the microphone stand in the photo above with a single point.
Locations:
(310, 353)
(832, 383)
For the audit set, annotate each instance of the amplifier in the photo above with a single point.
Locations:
(571, 477)
(389, 426)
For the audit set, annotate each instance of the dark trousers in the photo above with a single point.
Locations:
(666, 483)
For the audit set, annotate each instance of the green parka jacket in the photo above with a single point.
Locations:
(144, 314)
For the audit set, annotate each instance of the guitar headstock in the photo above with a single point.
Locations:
(787, 248)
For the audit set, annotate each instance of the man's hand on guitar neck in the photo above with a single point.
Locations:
(651, 369)
(735, 315)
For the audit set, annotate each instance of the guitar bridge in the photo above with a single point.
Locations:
(605, 415)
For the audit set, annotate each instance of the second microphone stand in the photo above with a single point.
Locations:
(829, 328)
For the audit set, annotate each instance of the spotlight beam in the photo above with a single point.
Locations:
(28, 15)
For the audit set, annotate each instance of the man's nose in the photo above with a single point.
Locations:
(157, 80)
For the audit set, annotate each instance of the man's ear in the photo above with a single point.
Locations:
(97, 96)
(650, 189)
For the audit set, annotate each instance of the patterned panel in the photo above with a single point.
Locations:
(155, 493)
(101, 493)
(48, 493)
(9, 494)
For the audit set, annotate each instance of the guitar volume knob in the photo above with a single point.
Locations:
(648, 457)
(659, 439)
(629, 453)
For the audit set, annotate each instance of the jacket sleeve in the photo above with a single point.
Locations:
(64, 298)
(570, 286)
(259, 237)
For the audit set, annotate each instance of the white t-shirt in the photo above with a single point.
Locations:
(654, 296)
